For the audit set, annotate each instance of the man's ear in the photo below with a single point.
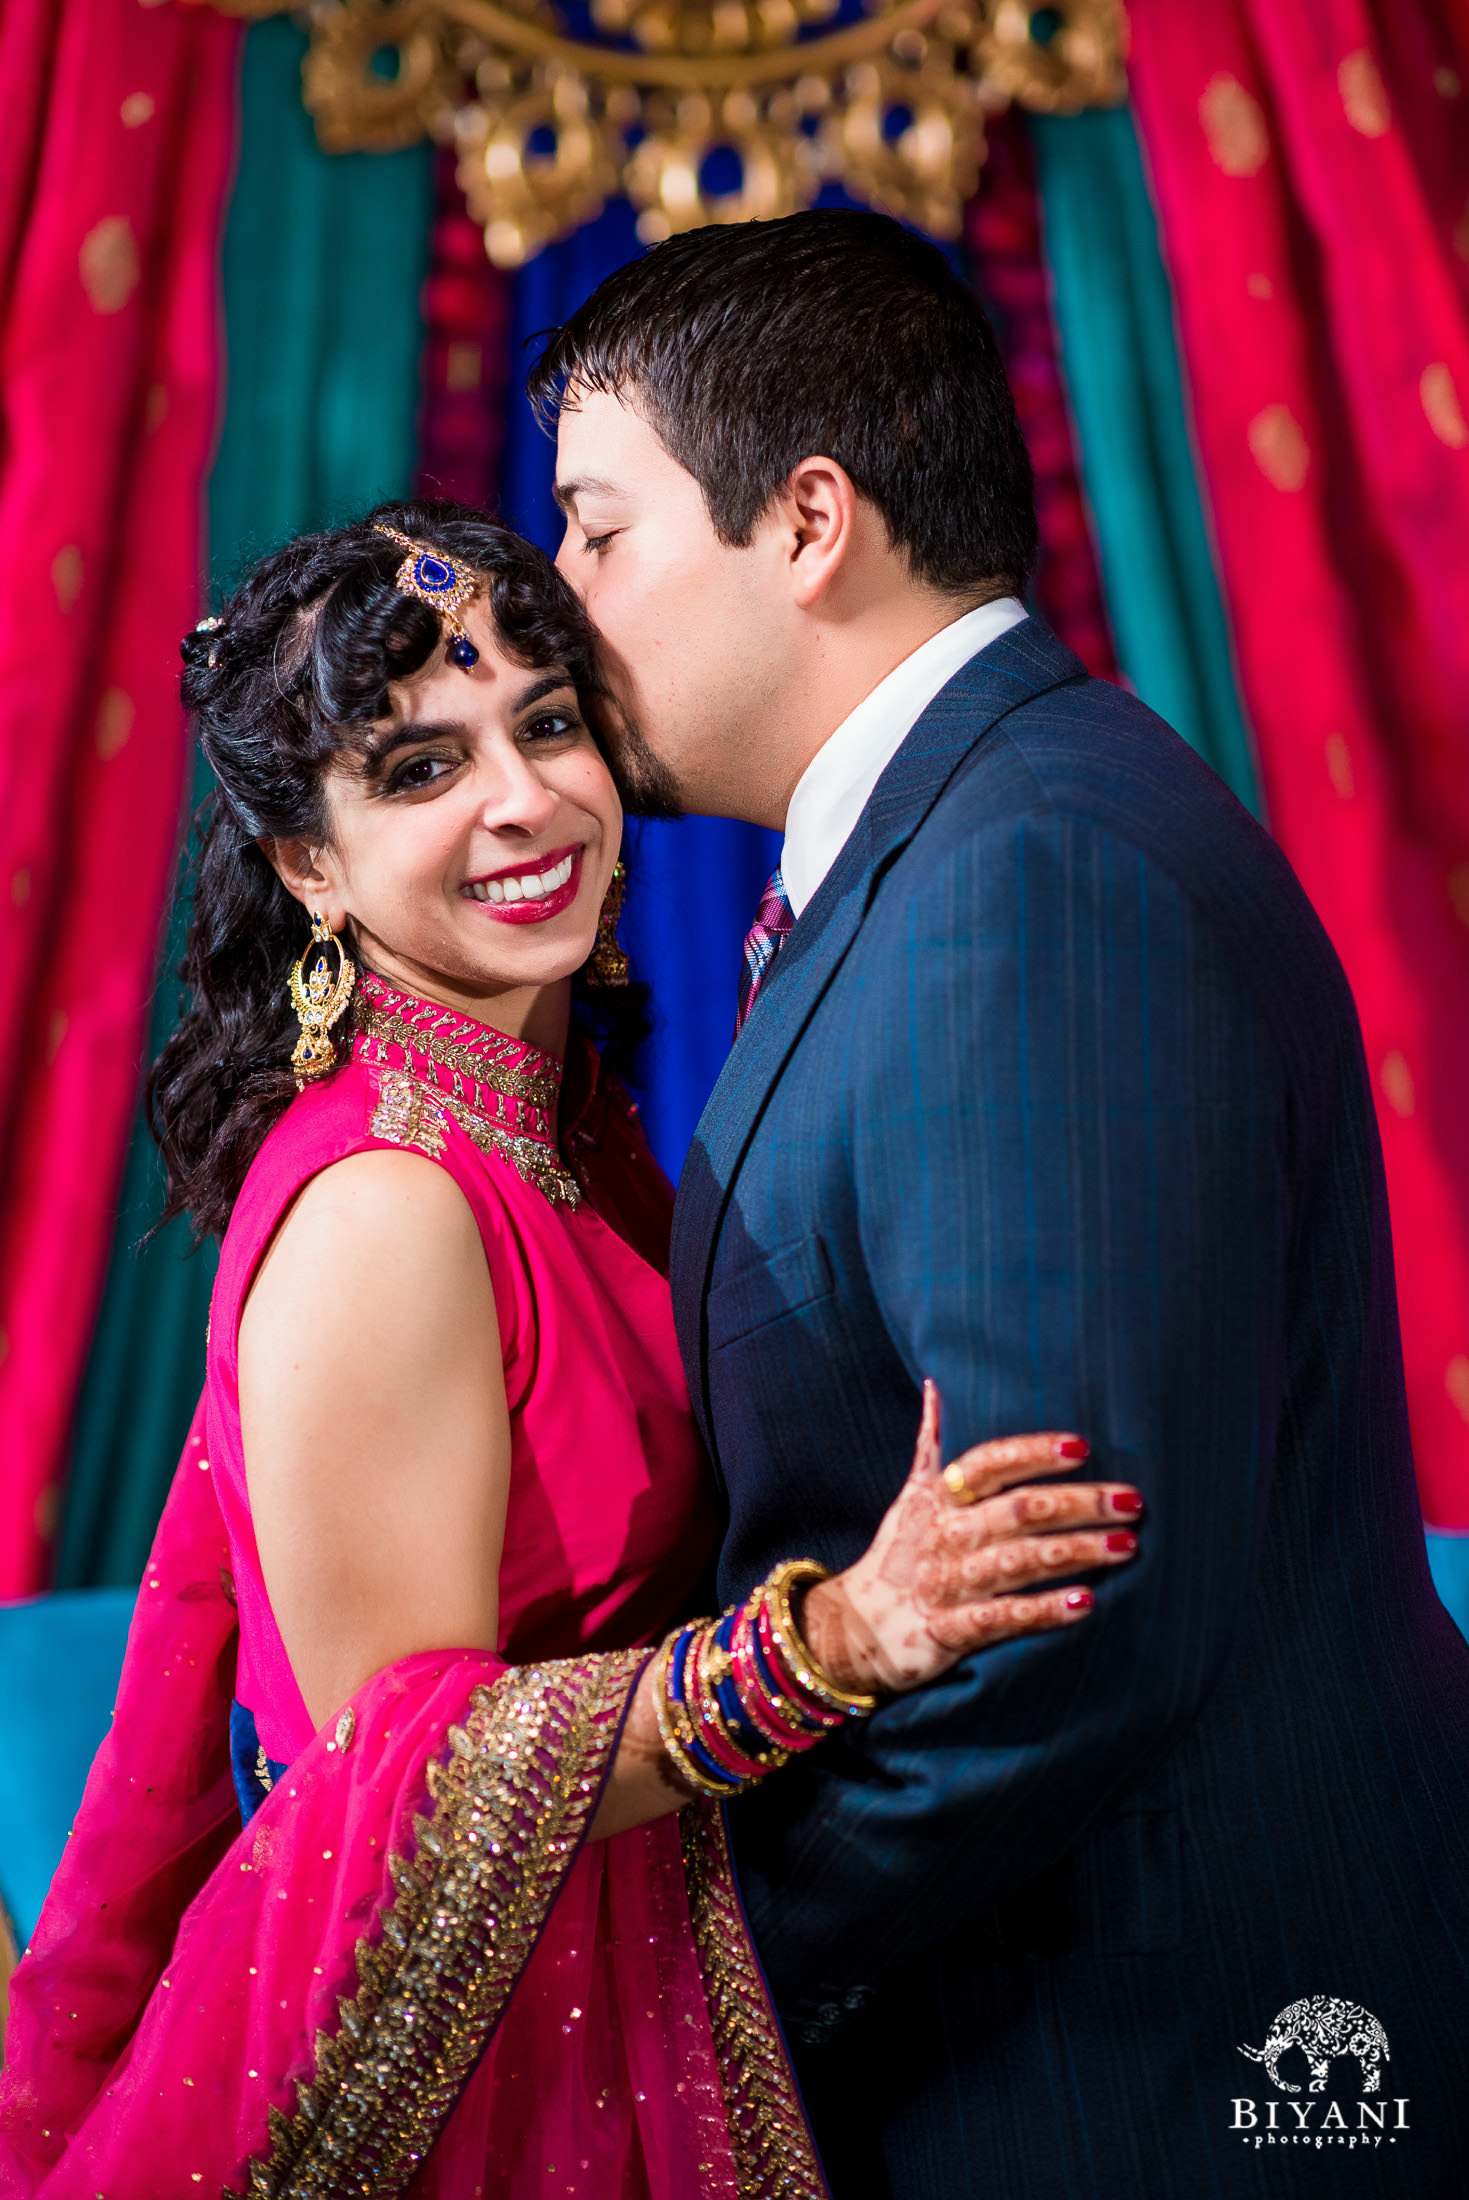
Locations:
(820, 508)
(305, 875)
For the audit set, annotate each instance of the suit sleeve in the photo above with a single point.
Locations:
(1069, 1164)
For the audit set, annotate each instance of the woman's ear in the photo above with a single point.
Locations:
(308, 876)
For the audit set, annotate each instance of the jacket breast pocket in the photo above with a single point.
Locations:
(791, 1277)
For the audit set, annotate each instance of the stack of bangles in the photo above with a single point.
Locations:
(738, 1696)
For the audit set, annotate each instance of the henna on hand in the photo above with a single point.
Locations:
(941, 1575)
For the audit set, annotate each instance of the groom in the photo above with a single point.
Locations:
(1051, 1088)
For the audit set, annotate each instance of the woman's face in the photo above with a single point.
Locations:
(472, 853)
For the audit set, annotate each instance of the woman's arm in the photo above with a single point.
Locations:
(376, 1433)
(946, 1574)
(377, 1453)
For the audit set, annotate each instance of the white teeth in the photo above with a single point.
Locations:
(530, 886)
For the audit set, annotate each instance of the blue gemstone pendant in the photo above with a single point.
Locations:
(463, 653)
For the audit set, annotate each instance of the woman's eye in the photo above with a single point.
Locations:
(419, 772)
(599, 542)
(550, 725)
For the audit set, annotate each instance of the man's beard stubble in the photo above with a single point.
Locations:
(644, 782)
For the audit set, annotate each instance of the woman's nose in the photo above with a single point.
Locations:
(518, 799)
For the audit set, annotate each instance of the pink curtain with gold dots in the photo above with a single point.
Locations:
(1311, 166)
(114, 161)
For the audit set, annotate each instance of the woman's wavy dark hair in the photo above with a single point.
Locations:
(294, 676)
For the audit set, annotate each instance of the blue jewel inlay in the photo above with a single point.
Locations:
(434, 573)
(462, 652)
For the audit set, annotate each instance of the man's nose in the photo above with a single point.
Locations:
(565, 565)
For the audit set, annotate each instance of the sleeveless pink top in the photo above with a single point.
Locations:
(610, 1516)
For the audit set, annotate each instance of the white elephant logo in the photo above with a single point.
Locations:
(1321, 2026)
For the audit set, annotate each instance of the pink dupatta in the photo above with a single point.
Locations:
(407, 1944)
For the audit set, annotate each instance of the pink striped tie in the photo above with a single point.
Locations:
(773, 919)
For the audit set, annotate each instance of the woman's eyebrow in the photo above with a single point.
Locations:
(550, 683)
(408, 734)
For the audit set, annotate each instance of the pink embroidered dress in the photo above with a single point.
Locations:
(408, 1969)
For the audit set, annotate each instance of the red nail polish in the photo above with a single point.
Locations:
(1079, 1600)
(1128, 1502)
(1120, 1540)
(1073, 1447)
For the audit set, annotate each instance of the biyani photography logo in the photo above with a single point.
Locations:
(1317, 2032)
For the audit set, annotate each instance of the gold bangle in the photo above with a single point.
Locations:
(769, 1757)
(798, 1573)
(667, 1711)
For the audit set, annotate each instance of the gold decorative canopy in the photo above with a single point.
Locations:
(698, 110)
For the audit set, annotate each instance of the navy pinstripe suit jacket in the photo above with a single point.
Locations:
(1056, 1093)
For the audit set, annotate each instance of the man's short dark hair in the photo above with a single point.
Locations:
(835, 334)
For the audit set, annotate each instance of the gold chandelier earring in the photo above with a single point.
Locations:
(608, 964)
(320, 1002)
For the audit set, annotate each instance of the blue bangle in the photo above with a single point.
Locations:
(712, 1770)
(743, 1729)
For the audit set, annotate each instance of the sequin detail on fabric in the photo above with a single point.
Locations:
(512, 1803)
(775, 2155)
(435, 1066)
(408, 1113)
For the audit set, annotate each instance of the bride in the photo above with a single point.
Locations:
(404, 1863)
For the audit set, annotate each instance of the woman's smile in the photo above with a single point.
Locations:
(534, 891)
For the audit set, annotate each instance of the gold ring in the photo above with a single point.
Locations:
(957, 1487)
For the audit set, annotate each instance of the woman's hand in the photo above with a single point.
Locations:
(944, 1572)
(943, 1576)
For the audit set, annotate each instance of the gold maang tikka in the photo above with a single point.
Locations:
(608, 964)
(319, 1001)
(445, 587)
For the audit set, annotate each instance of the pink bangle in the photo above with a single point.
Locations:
(712, 1731)
(775, 1720)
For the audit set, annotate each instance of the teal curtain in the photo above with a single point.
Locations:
(324, 259)
(1114, 315)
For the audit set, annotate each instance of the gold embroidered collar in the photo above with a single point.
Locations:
(434, 1064)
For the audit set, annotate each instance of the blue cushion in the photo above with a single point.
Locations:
(60, 1657)
(1448, 1559)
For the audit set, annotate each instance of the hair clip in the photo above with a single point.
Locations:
(429, 575)
(195, 650)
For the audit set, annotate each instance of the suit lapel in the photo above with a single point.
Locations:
(1022, 663)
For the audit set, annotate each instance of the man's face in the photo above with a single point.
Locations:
(693, 631)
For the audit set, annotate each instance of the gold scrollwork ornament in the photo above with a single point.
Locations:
(664, 173)
(538, 155)
(891, 106)
(320, 1002)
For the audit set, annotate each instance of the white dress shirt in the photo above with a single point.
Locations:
(833, 790)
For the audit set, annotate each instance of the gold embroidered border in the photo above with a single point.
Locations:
(536, 1088)
(775, 2158)
(410, 1112)
(539, 1165)
(511, 1806)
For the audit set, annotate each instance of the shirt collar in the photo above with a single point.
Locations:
(833, 791)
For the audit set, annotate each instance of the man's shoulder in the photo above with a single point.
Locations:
(1089, 755)
(1061, 786)
(1087, 748)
